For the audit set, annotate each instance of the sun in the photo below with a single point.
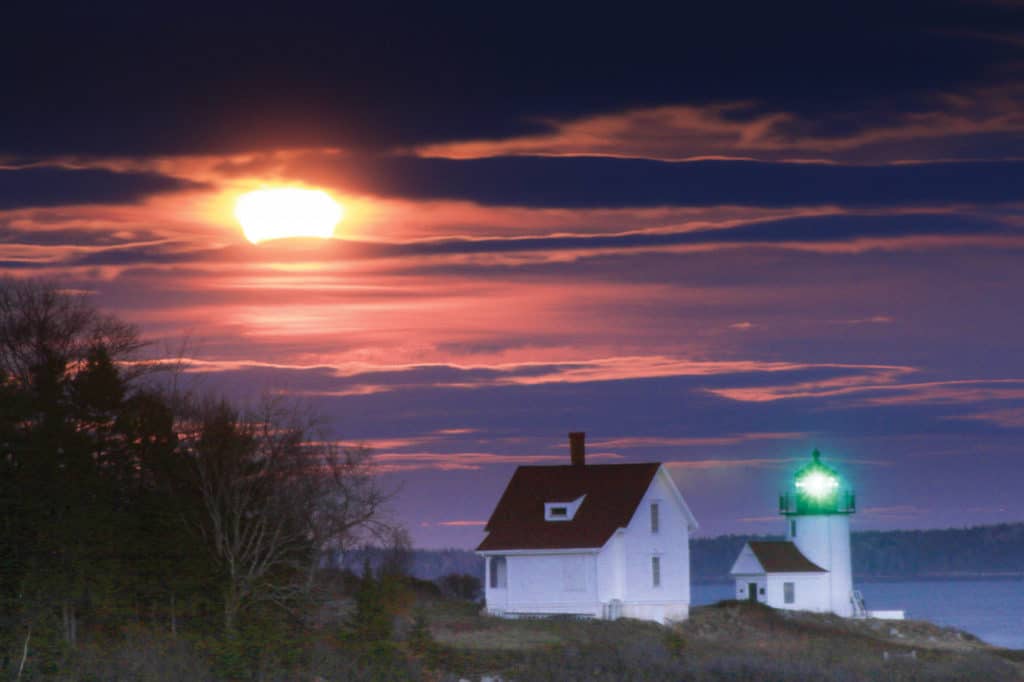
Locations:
(283, 212)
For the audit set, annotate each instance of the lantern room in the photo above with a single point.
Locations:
(817, 489)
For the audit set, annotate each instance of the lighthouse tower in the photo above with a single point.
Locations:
(817, 508)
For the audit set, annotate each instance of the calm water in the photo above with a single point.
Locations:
(991, 609)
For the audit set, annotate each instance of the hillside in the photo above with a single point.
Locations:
(720, 643)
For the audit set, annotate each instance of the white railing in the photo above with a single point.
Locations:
(857, 599)
(612, 610)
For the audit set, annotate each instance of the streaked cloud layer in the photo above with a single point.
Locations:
(713, 243)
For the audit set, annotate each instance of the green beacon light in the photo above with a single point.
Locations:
(817, 489)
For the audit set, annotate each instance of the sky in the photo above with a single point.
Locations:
(714, 237)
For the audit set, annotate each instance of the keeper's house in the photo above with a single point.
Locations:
(601, 541)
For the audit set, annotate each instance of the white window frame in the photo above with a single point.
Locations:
(566, 510)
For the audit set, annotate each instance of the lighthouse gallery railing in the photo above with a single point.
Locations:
(841, 502)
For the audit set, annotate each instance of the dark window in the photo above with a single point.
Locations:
(792, 528)
(559, 511)
(498, 572)
(656, 571)
(789, 592)
(655, 521)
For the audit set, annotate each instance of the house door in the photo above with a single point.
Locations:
(751, 591)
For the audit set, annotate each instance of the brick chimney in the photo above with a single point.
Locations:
(577, 449)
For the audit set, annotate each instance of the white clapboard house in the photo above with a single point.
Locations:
(601, 541)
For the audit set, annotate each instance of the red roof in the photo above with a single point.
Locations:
(783, 557)
(612, 491)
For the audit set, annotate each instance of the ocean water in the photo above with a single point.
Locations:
(990, 609)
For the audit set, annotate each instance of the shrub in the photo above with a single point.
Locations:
(460, 586)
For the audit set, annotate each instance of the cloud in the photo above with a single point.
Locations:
(887, 387)
(363, 378)
(52, 186)
(392, 462)
(708, 464)
(874, 319)
(901, 511)
(951, 392)
(181, 90)
(830, 233)
(629, 442)
(787, 231)
(1008, 418)
(870, 379)
(604, 182)
(945, 127)
(823, 233)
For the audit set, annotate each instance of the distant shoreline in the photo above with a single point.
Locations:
(930, 577)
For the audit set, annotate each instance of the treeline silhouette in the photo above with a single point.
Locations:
(128, 502)
(981, 551)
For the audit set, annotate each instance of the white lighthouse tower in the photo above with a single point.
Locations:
(817, 509)
(810, 569)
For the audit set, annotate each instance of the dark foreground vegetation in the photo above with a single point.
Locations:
(393, 628)
(139, 519)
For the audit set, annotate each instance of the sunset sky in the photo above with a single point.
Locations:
(717, 238)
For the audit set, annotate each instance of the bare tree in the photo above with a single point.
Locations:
(41, 324)
(268, 498)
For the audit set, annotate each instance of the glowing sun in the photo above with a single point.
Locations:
(287, 212)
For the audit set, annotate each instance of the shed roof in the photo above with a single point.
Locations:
(783, 557)
(612, 491)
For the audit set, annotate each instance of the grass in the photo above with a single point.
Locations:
(443, 640)
(731, 641)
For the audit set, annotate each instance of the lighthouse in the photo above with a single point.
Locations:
(817, 508)
(810, 569)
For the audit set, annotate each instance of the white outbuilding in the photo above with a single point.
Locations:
(597, 541)
(811, 569)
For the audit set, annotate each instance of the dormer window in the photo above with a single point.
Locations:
(562, 511)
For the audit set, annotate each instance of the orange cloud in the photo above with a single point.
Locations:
(951, 392)
(693, 441)
(392, 462)
(710, 464)
(1010, 418)
(736, 130)
(872, 377)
